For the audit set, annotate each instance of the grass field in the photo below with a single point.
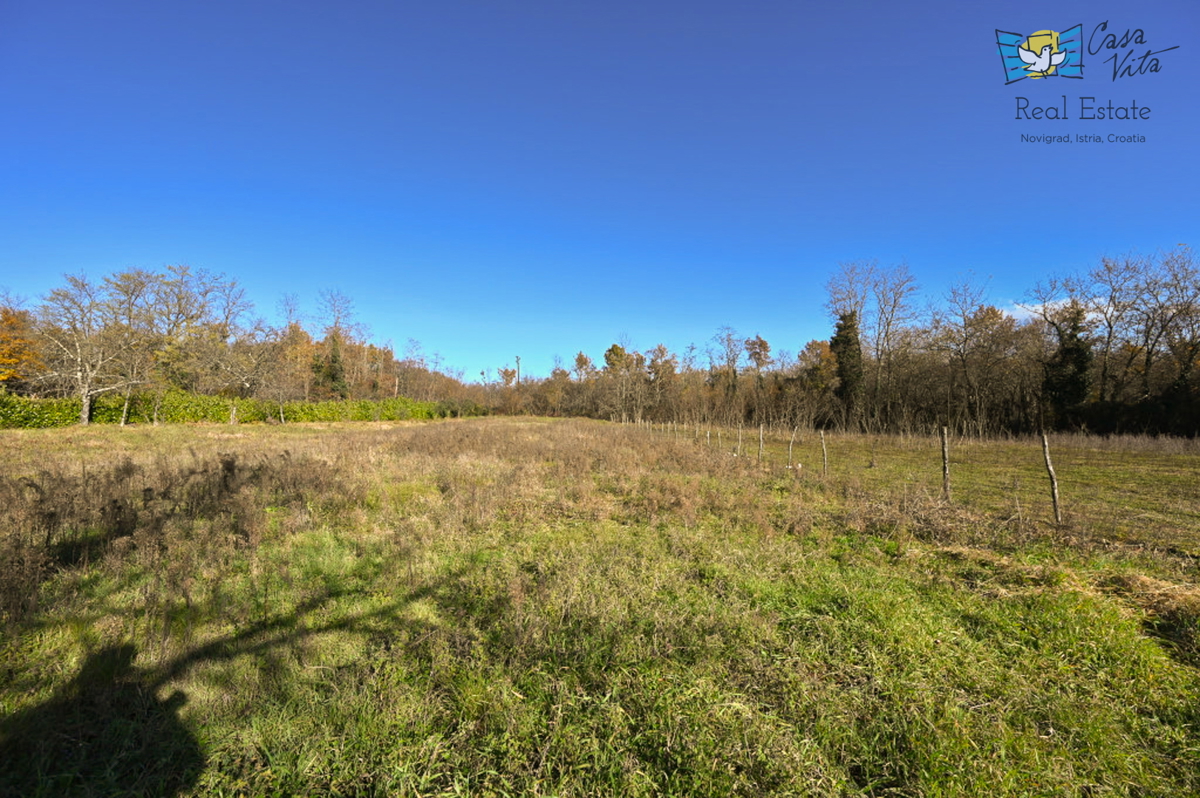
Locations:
(530, 607)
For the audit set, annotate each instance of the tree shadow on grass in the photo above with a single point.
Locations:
(1178, 629)
(105, 733)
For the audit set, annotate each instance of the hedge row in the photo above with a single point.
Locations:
(176, 407)
(17, 411)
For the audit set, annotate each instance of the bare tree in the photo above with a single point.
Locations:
(1169, 298)
(336, 313)
(1183, 335)
(1110, 296)
(850, 289)
(662, 372)
(247, 363)
(882, 301)
(725, 361)
(995, 363)
(132, 294)
(87, 339)
(892, 292)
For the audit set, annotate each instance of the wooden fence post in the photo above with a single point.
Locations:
(1053, 480)
(824, 456)
(945, 465)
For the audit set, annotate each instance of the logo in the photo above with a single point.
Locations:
(1044, 54)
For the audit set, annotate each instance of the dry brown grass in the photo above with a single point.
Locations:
(71, 497)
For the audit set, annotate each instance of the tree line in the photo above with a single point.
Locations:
(1111, 349)
(142, 334)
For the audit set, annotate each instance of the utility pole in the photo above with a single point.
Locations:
(518, 369)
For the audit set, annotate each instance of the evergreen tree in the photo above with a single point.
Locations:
(847, 350)
(1067, 379)
(330, 372)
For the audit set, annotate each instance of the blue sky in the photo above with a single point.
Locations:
(502, 177)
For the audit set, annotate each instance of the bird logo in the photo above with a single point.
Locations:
(1041, 64)
(1043, 54)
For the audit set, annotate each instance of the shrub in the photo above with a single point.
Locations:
(180, 407)
(19, 411)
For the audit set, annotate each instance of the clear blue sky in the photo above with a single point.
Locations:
(518, 177)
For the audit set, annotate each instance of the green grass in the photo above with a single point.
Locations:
(1138, 491)
(522, 607)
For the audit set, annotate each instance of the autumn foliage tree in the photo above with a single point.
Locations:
(19, 359)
